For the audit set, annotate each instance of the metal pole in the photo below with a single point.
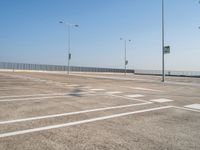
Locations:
(163, 40)
(125, 57)
(69, 49)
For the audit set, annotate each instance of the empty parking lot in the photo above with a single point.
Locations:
(92, 111)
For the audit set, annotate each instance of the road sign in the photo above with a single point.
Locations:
(166, 49)
(70, 55)
(126, 63)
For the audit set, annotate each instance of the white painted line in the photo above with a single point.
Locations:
(71, 113)
(14, 88)
(35, 95)
(41, 98)
(161, 100)
(193, 106)
(188, 109)
(33, 98)
(73, 85)
(114, 92)
(97, 89)
(142, 89)
(87, 87)
(135, 95)
(133, 99)
(8, 134)
(146, 89)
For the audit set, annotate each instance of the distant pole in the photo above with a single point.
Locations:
(163, 40)
(69, 42)
(125, 57)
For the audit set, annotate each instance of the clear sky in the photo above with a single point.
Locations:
(30, 32)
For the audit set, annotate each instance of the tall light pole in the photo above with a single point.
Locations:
(125, 60)
(163, 41)
(69, 25)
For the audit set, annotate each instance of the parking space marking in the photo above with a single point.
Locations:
(135, 95)
(72, 113)
(97, 89)
(41, 98)
(8, 134)
(193, 106)
(34, 95)
(161, 100)
(73, 85)
(14, 88)
(114, 92)
(142, 89)
(128, 98)
(147, 89)
(86, 87)
(188, 109)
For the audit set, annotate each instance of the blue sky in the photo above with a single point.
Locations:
(30, 32)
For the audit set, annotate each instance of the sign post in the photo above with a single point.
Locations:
(167, 50)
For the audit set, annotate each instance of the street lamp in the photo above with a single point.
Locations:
(125, 60)
(69, 25)
(163, 40)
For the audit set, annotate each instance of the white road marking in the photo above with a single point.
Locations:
(161, 100)
(86, 87)
(8, 134)
(97, 89)
(133, 99)
(73, 85)
(135, 95)
(35, 95)
(71, 113)
(14, 88)
(142, 89)
(40, 98)
(146, 89)
(33, 98)
(114, 92)
(188, 109)
(193, 106)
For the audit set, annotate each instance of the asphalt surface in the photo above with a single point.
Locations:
(54, 111)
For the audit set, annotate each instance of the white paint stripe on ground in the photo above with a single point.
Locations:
(35, 95)
(73, 85)
(147, 89)
(86, 87)
(188, 109)
(14, 88)
(97, 89)
(142, 89)
(114, 92)
(193, 106)
(8, 134)
(41, 98)
(135, 95)
(161, 100)
(128, 98)
(71, 113)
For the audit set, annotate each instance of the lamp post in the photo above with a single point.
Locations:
(69, 25)
(125, 60)
(163, 40)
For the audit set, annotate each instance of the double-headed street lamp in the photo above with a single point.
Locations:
(69, 25)
(125, 60)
